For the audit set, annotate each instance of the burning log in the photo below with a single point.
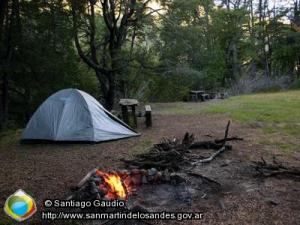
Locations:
(275, 169)
(115, 185)
(100, 185)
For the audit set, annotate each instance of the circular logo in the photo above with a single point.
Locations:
(20, 206)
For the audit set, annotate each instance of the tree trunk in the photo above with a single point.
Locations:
(5, 28)
(4, 100)
(235, 63)
(10, 41)
(252, 68)
(3, 7)
(110, 97)
(253, 63)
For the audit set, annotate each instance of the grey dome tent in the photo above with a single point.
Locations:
(73, 115)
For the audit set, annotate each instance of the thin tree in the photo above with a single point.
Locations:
(102, 53)
(9, 24)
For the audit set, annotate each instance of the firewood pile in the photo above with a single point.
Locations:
(175, 154)
(169, 154)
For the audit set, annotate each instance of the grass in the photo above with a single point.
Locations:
(9, 137)
(143, 145)
(178, 108)
(277, 107)
(277, 113)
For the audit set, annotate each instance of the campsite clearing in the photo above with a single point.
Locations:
(49, 170)
(275, 115)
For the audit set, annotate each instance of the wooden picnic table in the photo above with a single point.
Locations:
(132, 103)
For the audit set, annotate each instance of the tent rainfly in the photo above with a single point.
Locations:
(73, 115)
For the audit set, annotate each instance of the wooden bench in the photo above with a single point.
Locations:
(148, 116)
(204, 97)
(212, 95)
(195, 95)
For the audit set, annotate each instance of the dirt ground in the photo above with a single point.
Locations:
(47, 171)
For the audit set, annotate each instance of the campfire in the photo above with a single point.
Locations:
(112, 186)
(169, 162)
(168, 172)
(116, 185)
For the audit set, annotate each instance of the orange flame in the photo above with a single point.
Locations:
(115, 186)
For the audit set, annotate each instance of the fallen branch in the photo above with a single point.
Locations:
(218, 141)
(276, 169)
(215, 154)
(83, 181)
(215, 144)
(208, 145)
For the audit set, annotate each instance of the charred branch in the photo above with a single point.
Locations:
(275, 169)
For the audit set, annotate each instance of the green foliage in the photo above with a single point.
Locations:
(189, 54)
(44, 60)
(296, 84)
(190, 45)
(174, 85)
(286, 49)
